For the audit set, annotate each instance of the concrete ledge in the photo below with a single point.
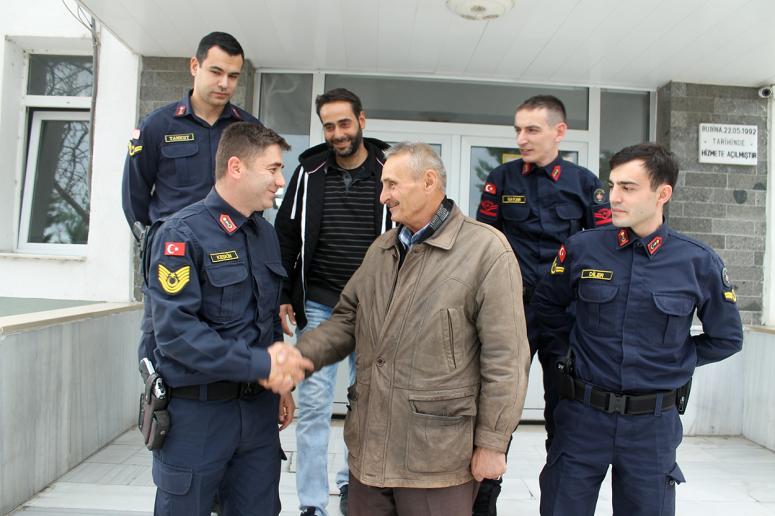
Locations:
(24, 322)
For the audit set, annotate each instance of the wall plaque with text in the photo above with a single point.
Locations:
(729, 144)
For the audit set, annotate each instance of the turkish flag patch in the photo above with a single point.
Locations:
(490, 188)
(174, 249)
(561, 254)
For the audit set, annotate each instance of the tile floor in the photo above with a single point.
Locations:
(726, 476)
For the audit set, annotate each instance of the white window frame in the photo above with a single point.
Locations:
(79, 108)
(38, 117)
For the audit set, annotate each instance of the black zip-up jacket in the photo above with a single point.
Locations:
(298, 220)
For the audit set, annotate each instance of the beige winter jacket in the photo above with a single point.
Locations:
(442, 356)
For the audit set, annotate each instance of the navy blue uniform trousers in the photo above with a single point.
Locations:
(640, 450)
(231, 448)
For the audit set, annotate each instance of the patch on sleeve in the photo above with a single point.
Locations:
(602, 216)
(135, 134)
(172, 282)
(730, 296)
(134, 149)
(562, 253)
(725, 278)
(488, 208)
(599, 196)
(490, 188)
(174, 249)
(556, 269)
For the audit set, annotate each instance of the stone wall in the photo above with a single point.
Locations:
(722, 205)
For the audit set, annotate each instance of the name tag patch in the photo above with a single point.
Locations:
(223, 256)
(175, 138)
(513, 199)
(597, 274)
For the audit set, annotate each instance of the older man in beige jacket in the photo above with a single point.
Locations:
(435, 317)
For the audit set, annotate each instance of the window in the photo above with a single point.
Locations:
(55, 197)
(467, 102)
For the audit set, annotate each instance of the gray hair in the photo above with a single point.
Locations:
(422, 157)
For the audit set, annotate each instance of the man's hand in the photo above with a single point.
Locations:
(287, 369)
(287, 310)
(487, 463)
(287, 407)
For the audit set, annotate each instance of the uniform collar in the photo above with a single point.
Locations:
(652, 243)
(553, 169)
(184, 108)
(228, 219)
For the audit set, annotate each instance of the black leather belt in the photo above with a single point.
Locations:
(625, 404)
(218, 391)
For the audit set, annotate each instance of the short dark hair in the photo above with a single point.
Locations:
(245, 141)
(223, 40)
(660, 163)
(339, 95)
(549, 102)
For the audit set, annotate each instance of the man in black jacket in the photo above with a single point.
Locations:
(328, 218)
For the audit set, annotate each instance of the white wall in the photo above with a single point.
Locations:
(105, 271)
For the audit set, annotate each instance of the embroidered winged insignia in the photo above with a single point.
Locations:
(173, 282)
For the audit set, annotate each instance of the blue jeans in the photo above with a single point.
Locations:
(313, 425)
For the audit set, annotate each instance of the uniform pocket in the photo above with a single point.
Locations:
(183, 155)
(677, 310)
(515, 212)
(226, 292)
(673, 477)
(174, 480)
(569, 215)
(441, 432)
(271, 286)
(598, 308)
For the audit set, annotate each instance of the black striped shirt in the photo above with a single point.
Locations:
(346, 232)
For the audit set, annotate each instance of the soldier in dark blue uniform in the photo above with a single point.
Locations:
(636, 287)
(213, 288)
(171, 156)
(538, 201)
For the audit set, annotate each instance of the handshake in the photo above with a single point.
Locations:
(288, 368)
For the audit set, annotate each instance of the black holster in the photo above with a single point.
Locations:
(153, 420)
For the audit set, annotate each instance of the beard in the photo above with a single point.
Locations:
(355, 143)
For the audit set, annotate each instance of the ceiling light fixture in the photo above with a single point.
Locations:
(480, 9)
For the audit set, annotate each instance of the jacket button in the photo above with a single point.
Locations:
(380, 362)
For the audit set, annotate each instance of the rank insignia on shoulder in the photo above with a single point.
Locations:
(175, 138)
(556, 269)
(227, 223)
(602, 216)
(223, 256)
(172, 282)
(134, 149)
(513, 199)
(597, 274)
(490, 188)
(488, 208)
(730, 296)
